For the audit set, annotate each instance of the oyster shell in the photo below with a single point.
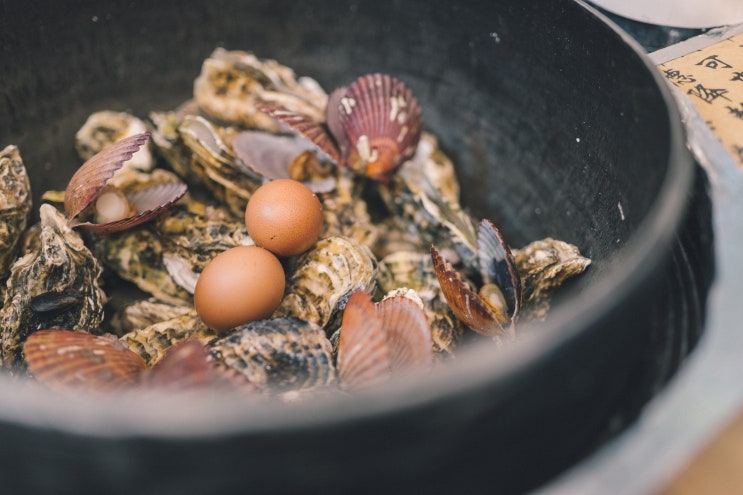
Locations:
(104, 128)
(146, 312)
(231, 82)
(58, 285)
(152, 342)
(165, 258)
(15, 205)
(545, 265)
(420, 196)
(278, 355)
(323, 279)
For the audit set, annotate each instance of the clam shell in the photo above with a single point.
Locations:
(364, 357)
(464, 302)
(94, 174)
(65, 359)
(149, 203)
(498, 266)
(381, 120)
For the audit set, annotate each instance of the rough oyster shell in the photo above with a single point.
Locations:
(278, 355)
(231, 82)
(15, 205)
(55, 286)
(324, 277)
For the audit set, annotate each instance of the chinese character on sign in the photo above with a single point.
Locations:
(677, 77)
(736, 112)
(737, 76)
(713, 62)
(708, 94)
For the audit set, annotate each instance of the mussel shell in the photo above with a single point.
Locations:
(93, 175)
(66, 359)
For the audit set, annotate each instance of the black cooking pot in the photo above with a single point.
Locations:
(558, 127)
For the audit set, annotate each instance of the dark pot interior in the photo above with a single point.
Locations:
(559, 128)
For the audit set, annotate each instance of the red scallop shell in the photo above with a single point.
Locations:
(306, 126)
(408, 333)
(381, 120)
(463, 301)
(498, 266)
(364, 358)
(149, 203)
(66, 359)
(94, 174)
(185, 365)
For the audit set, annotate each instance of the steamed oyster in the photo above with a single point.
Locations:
(55, 286)
(15, 204)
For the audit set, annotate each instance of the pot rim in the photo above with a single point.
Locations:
(182, 416)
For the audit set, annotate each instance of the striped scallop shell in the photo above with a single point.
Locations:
(92, 177)
(66, 359)
(381, 340)
(498, 266)
(463, 301)
(378, 121)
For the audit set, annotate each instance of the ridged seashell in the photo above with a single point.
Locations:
(186, 365)
(380, 340)
(372, 126)
(499, 299)
(278, 354)
(87, 184)
(381, 121)
(324, 278)
(283, 157)
(65, 359)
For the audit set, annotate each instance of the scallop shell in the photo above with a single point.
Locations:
(148, 203)
(464, 302)
(364, 357)
(94, 174)
(92, 177)
(65, 359)
(372, 126)
(408, 333)
(381, 120)
(306, 126)
(185, 365)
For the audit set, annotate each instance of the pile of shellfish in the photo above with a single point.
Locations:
(98, 293)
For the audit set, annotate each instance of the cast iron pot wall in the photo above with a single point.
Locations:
(559, 128)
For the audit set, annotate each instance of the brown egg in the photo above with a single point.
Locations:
(242, 284)
(284, 216)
